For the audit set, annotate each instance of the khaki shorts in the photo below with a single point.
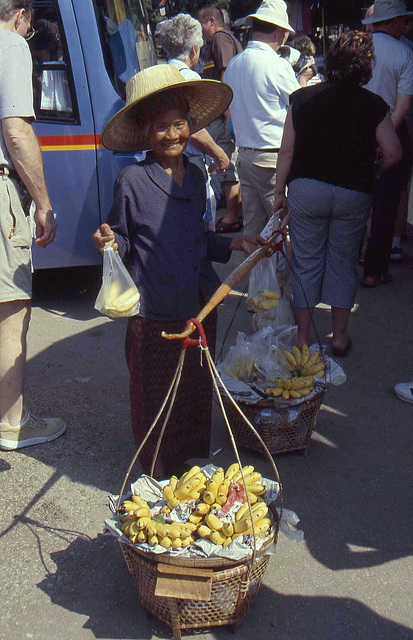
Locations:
(15, 245)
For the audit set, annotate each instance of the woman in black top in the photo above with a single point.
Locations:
(328, 157)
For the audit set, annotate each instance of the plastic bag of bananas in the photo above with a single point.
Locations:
(202, 513)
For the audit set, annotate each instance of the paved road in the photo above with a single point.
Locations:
(62, 579)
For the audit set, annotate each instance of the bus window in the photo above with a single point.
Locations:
(53, 86)
(129, 39)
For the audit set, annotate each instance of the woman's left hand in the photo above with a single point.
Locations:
(248, 244)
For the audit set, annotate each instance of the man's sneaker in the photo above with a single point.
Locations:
(404, 391)
(396, 254)
(32, 431)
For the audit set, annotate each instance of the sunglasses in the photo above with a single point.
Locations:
(30, 32)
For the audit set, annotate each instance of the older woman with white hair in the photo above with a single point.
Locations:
(181, 38)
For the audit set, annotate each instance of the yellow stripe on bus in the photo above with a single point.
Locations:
(72, 147)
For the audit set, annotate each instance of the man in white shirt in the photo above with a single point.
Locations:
(20, 158)
(392, 79)
(262, 82)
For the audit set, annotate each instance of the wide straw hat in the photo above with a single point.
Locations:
(386, 10)
(274, 12)
(127, 130)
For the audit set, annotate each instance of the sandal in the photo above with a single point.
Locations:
(376, 281)
(227, 227)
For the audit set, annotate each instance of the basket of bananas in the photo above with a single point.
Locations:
(286, 417)
(191, 542)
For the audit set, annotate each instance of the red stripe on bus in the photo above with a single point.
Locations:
(52, 141)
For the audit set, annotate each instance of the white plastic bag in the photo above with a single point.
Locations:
(264, 291)
(118, 296)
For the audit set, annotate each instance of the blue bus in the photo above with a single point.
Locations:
(84, 52)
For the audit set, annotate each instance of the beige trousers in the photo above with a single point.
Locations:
(256, 170)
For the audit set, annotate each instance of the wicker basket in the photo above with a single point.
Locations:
(272, 423)
(231, 593)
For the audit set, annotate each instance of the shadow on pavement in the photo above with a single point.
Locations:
(92, 580)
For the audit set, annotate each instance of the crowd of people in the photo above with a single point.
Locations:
(279, 138)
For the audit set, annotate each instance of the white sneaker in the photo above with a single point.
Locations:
(32, 431)
(404, 391)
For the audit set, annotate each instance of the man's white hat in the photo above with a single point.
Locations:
(274, 12)
(388, 9)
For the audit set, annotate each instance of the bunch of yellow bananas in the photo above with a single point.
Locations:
(254, 486)
(190, 486)
(294, 388)
(302, 363)
(243, 368)
(117, 304)
(223, 533)
(264, 300)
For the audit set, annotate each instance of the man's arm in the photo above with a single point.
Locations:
(25, 152)
(389, 144)
(401, 109)
(203, 141)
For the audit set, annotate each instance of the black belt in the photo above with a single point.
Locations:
(9, 172)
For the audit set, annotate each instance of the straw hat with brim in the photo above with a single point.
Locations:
(207, 99)
(386, 10)
(274, 12)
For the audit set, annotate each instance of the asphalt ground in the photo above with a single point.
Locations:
(61, 579)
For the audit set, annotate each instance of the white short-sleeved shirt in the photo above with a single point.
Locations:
(262, 83)
(392, 70)
(16, 90)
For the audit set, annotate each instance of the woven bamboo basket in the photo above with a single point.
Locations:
(232, 591)
(278, 433)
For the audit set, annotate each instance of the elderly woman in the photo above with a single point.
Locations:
(156, 226)
(328, 157)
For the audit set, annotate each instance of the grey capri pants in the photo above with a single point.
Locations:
(327, 224)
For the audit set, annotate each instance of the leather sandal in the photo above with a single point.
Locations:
(227, 227)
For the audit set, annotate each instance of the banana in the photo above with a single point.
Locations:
(176, 543)
(232, 470)
(247, 470)
(227, 542)
(217, 538)
(279, 382)
(202, 509)
(228, 529)
(134, 538)
(183, 492)
(191, 526)
(253, 498)
(196, 470)
(288, 384)
(275, 392)
(141, 536)
(299, 383)
(173, 503)
(187, 541)
(241, 512)
(297, 355)
(286, 394)
(165, 542)
(258, 489)
(305, 355)
(186, 533)
(128, 505)
(128, 518)
(162, 530)
(150, 528)
(253, 478)
(175, 531)
(209, 497)
(290, 359)
(173, 481)
(165, 510)
(142, 522)
(295, 394)
(153, 541)
(315, 359)
(242, 526)
(194, 495)
(306, 391)
(142, 511)
(213, 522)
(139, 500)
(204, 531)
(168, 493)
(193, 519)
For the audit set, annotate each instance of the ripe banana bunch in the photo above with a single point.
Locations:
(215, 494)
(253, 487)
(170, 536)
(264, 300)
(190, 486)
(223, 533)
(302, 363)
(294, 388)
(243, 368)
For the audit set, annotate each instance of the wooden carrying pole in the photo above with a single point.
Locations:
(233, 279)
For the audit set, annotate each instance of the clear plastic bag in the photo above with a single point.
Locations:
(118, 296)
(239, 361)
(264, 291)
(281, 314)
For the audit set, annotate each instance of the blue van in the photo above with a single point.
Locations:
(84, 52)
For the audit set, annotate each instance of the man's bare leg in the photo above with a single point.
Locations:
(14, 323)
(232, 197)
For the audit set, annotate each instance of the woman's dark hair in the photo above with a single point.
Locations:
(8, 7)
(351, 58)
(304, 44)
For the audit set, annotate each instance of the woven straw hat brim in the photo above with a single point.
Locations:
(207, 100)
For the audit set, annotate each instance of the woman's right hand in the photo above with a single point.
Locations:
(104, 237)
(280, 202)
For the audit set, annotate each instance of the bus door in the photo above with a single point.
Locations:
(65, 127)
